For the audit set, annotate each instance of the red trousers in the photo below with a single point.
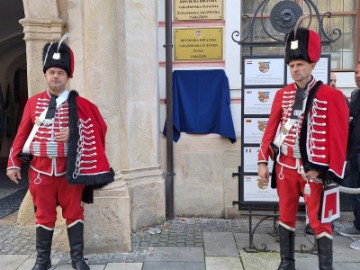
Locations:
(50, 191)
(289, 185)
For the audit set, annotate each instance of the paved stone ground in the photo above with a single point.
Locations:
(184, 232)
(179, 232)
(151, 246)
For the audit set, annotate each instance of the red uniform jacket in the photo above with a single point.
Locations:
(83, 159)
(326, 129)
(33, 108)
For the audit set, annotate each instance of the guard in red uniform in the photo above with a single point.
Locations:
(312, 119)
(64, 137)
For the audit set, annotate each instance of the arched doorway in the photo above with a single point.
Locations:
(12, 71)
(13, 93)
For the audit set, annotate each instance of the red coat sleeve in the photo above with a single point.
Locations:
(338, 132)
(101, 122)
(22, 134)
(271, 127)
(90, 109)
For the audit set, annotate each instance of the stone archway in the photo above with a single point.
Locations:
(12, 57)
(41, 24)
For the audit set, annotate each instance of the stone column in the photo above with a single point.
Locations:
(120, 76)
(139, 111)
(94, 39)
(38, 31)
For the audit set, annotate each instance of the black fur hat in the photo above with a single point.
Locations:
(58, 55)
(302, 44)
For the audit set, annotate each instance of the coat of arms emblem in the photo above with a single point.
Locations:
(263, 96)
(264, 66)
(262, 125)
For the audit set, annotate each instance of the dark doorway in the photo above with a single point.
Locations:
(13, 96)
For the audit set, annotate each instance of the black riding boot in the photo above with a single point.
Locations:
(43, 248)
(287, 249)
(325, 253)
(76, 241)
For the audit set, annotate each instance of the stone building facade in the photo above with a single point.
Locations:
(119, 65)
(117, 48)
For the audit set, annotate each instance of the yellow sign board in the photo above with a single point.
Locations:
(193, 10)
(198, 44)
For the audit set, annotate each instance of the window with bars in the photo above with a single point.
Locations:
(344, 16)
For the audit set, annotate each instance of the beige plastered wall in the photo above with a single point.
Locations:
(204, 164)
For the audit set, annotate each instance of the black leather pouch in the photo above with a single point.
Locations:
(274, 152)
(25, 157)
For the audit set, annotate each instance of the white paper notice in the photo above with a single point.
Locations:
(250, 156)
(255, 191)
(264, 71)
(258, 101)
(254, 129)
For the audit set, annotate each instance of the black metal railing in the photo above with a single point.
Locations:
(283, 18)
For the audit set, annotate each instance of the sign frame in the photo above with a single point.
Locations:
(246, 170)
(202, 42)
(185, 10)
(261, 69)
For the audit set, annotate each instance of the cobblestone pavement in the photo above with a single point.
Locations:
(179, 232)
(184, 232)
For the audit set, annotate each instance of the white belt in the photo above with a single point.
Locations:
(26, 148)
(290, 150)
